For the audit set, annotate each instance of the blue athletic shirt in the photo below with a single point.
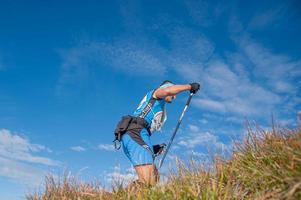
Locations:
(156, 117)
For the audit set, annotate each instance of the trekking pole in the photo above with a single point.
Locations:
(175, 131)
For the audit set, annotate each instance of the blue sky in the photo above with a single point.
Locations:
(69, 71)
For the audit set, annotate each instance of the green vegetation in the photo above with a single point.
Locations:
(267, 165)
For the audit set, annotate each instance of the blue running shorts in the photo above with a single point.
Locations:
(137, 154)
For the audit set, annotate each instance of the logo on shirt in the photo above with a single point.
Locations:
(158, 121)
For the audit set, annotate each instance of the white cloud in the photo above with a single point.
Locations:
(210, 104)
(237, 120)
(203, 121)
(198, 154)
(189, 46)
(130, 57)
(193, 128)
(133, 58)
(187, 71)
(279, 71)
(197, 138)
(201, 139)
(254, 82)
(285, 122)
(188, 53)
(18, 162)
(15, 147)
(271, 16)
(121, 176)
(138, 57)
(78, 148)
(232, 92)
(106, 147)
(249, 83)
(21, 172)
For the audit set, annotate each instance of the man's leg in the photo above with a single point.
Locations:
(147, 174)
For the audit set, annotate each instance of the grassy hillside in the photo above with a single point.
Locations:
(267, 165)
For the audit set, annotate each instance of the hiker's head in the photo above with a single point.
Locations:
(166, 84)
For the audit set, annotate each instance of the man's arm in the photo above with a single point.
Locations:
(170, 91)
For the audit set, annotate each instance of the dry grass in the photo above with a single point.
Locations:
(267, 165)
(69, 187)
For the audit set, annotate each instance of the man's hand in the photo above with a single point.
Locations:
(194, 87)
(159, 148)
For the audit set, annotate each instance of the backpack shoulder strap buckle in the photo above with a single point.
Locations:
(117, 144)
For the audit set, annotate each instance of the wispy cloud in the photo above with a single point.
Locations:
(254, 81)
(15, 147)
(200, 155)
(78, 148)
(17, 159)
(190, 50)
(210, 105)
(106, 147)
(127, 56)
(280, 71)
(121, 176)
(198, 138)
(137, 57)
(193, 128)
(204, 13)
(203, 121)
(21, 172)
(268, 18)
(274, 73)
(232, 92)
(202, 139)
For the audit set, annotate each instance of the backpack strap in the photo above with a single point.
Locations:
(148, 106)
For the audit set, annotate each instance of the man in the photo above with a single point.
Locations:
(148, 118)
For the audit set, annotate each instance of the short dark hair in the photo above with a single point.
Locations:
(166, 81)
